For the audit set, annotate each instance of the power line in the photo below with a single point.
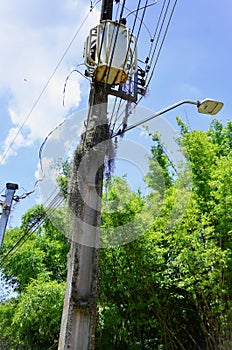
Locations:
(164, 37)
(159, 27)
(156, 30)
(46, 85)
(53, 205)
(136, 18)
(120, 107)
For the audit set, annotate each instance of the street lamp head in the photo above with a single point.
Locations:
(209, 106)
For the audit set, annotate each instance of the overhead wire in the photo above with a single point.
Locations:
(22, 240)
(128, 49)
(162, 41)
(117, 19)
(141, 20)
(46, 85)
(67, 78)
(122, 9)
(53, 205)
(156, 30)
(132, 12)
(115, 117)
(68, 47)
(163, 16)
(98, 62)
(113, 45)
(57, 200)
(27, 193)
(115, 38)
(158, 33)
(113, 110)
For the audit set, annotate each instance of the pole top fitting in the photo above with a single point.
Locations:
(10, 186)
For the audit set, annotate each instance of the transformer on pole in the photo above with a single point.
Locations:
(110, 53)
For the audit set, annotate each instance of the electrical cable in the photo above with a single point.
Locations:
(142, 23)
(136, 16)
(161, 45)
(117, 11)
(118, 114)
(2, 190)
(113, 44)
(159, 51)
(67, 78)
(55, 202)
(122, 8)
(131, 35)
(156, 29)
(113, 110)
(45, 87)
(21, 240)
(27, 193)
(132, 12)
(160, 30)
(98, 63)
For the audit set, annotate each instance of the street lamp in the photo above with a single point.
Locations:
(209, 106)
(206, 106)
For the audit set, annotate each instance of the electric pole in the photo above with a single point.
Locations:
(80, 305)
(6, 207)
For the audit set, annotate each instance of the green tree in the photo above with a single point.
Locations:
(36, 321)
(32, 320)
(168, 289)
(172, 287)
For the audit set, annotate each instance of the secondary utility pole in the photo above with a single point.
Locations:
(85, 190)
(6, 207)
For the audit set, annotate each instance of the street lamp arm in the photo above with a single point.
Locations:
(157, 114)
(206, 106)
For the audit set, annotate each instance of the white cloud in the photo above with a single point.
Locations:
(33, 38)
(20, 141)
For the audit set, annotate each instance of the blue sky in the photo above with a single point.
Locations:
(195, 63)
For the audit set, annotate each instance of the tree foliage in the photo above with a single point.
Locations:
(32, 320)
(169, 289)
(172, 287)
(37, 318)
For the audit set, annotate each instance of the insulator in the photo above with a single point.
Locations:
(141, 91)
(141, 72)
(123, 21)
(142, 82)
(87, 73)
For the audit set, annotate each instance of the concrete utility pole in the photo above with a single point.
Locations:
(6, 207)
(85, 190)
